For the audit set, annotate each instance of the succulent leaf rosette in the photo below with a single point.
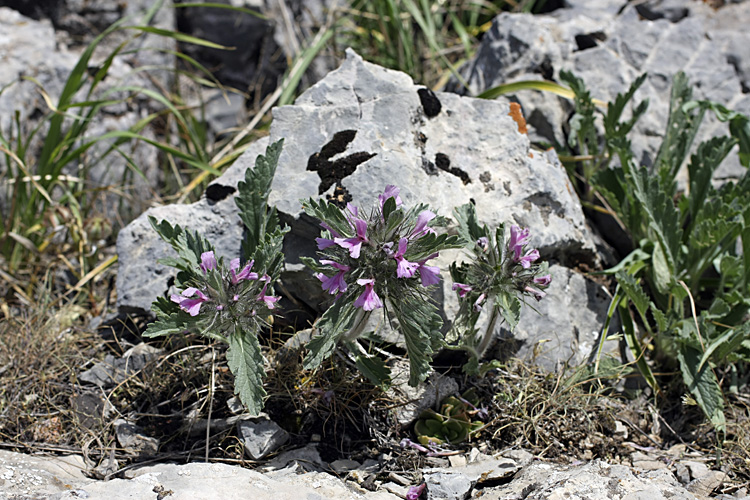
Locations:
(378, 260)
(498, 278)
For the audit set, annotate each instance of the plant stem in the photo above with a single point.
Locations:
(484, 344)
(360, 321)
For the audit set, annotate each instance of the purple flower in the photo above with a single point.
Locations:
(405, 269)
(390, 192)
(483, 243)
(527, 259)
(324, 243)
(270, 300)
(518, 238)
(538, 294)
(354, 245)
(543, 280)
(408, 443)
(479, 302)
(369, 300)
(415, 491)
(421, 228)
(462, 289)
(191, 306)
(335, 283)
(245, 274)
(429, 275)
(208, 261)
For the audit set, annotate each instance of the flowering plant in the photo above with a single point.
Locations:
(378, 260)
(229, 303)
(499, 277)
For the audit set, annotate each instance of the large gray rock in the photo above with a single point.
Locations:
(609, 47)
(564, 327)
(595, 480)
(441, 149)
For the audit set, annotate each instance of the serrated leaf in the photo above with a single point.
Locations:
(682, 126)
(420, 324)
(189, 245)
(331, 326)
(468, 224)
(659, 317)
(246, 364)
(703, 385)
(252, 199)
(510, 308)
(634, 292)
(372, 367)
(701, 169)
(170, 320)
(720, 347)
(328, 213)
(612, 125)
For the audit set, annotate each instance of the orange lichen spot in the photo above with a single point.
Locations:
(515, 113)
(531, 155)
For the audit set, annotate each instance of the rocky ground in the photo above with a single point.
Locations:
(118, 418)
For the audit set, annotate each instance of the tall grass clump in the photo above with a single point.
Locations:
(47, 166)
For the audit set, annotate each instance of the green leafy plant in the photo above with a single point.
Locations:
(685, 283)
(498, 278)
(453, 424)
(378, 260)
(229, 303)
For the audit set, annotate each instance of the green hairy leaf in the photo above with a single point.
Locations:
(701, 169)
(420, 323)
(252, 199)
(331, 326)
(468, 224)
(170, 319)
(246, 364)
(681, 129)
(372, 367)
(188, 245)
(702, 384)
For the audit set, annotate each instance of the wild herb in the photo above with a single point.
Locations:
(378, 260)
(683, 288)
(229, 303)
(498, 278)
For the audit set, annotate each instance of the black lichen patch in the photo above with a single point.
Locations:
(444, 163)
(340, 197)
(217, 192)
(332, 172)
(430, 103)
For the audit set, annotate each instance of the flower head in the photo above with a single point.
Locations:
(518, 238)
(208, 261)
(543, 280)
(191, 306)
(404, 269)
(354, 245)
(335, 283)
(462, 289)
(390, 192)
(415, 491)
(420, 229)
(369, 300)
(245, 274)
(527, 259)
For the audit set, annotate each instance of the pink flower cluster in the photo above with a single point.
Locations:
(191, 299)
(369, 299)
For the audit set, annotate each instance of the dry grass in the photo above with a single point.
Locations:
(185, 388)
